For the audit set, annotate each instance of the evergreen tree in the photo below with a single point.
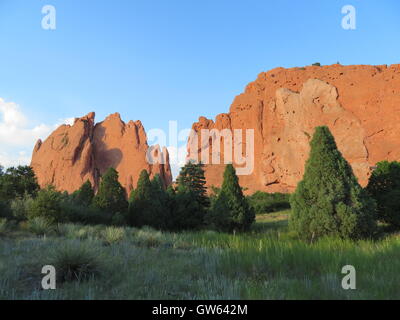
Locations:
(184, 212)
(16, 182)
(140, 202)
(111, 195)
(329, 200)
(191, 177)
(159, 203)
(231, 210)
(384, 187)
(84, 196)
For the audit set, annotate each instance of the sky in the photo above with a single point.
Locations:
(165, 60)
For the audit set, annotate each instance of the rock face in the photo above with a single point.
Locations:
(360, 105)
(74, 154)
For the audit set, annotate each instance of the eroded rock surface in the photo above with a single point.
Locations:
(360, 105)
(74, 154)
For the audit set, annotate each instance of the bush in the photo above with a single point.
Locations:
(329, 200)
(76, 213)
(48, 205)
(230, 210)
(384, 187)
(3, 226)
(263, 202)
(5, 211)
(113, 235)
(20, 208)
(77, 262)
(40, 226)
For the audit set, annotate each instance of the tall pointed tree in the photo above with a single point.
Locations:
(140, 202)
(191, 177)
(231, 210)
(329, 199)
(111, 195)
(84, 195)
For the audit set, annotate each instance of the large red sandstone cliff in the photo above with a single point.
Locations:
(360, 104)
(74, 154)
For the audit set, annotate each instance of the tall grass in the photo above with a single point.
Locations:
(266, 263)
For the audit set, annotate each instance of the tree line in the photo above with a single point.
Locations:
(328, 201)
(187, 206)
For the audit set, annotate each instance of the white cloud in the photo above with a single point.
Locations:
(16, 134)
(14, 159)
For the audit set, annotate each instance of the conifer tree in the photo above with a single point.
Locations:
(231, 210)
(140, 202)
(84, 195)
(384, 187)
(191, 177)
(111, 194)
(329, 200)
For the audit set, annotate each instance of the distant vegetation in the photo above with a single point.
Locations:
(186, 207)
(263, 202)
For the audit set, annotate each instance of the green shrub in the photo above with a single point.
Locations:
(20, 207)
(48, 205)
(384, 187)
(76, 213)
(148, 238)
(40, 226)
(5, 211)
(316, 64)
(231, 210)
(113, 235)
(3, 226)
(263, 202)
(329, 200)
(77, 262)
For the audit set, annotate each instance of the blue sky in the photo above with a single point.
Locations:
(166, 60)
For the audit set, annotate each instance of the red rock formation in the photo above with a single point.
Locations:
(74, 154)
(360, 104)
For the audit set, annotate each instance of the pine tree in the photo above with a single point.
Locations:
(84, 195)
(384, 187)
(159, 204)
(329, 200)
(140, 202)
(231, 210)
(191, 177)
(111, 194)
(16, 182)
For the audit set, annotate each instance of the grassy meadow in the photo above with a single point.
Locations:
(99, 262)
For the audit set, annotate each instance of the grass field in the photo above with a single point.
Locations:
(126, 263)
